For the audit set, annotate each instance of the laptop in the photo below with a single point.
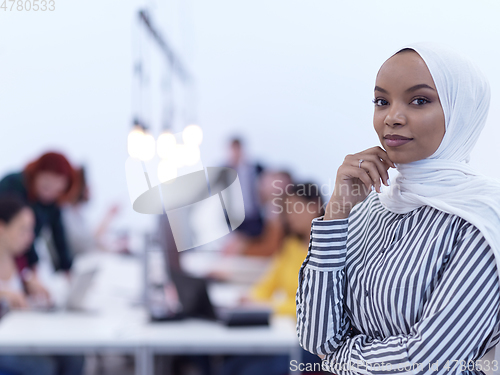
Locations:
(195, 303)
(191, 294)
(78, 289)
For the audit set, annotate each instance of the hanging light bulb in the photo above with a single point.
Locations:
(191, 154)
(167, 170)
(134, 142)
(165, 146)
(147, 147)
(192, 135)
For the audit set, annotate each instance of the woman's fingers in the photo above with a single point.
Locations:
(372, 169)
(23, 303)
(371, 165)
(376, 165)
(382, 154)
(360, 173)
(351, 174)
(18, 301)
(381, 167)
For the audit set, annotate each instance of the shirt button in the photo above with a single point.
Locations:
(366, 293)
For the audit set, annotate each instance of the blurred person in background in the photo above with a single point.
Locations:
(302, 203)
(17, 222)
(44, 184)
(272, 188)
(248, 174)
(80, 237)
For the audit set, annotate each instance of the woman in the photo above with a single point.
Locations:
(44, 184)
(17, 222)
(272, 190)
(300, 207)
(406, 276)
(278, 286)
(16, 235)
(272, 186)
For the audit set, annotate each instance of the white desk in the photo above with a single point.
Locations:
(132, 333)
(194, 336)
(120, 328)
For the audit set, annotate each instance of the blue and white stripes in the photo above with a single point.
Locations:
(380, 291)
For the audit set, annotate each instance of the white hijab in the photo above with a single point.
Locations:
(445, 180)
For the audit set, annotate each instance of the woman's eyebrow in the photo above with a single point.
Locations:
(380, 89)
(413, 88)
(419, 86)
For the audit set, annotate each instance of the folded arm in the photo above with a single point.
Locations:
(322, 324)
(459, 316)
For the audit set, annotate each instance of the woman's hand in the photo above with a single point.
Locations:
(14, 299)
(353, 183)
(36, 289)
(245, 300)
(234, 245)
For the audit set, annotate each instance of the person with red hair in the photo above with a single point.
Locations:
(44, 184)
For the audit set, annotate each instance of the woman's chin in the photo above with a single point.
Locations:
(398, 158)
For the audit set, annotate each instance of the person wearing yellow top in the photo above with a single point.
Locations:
(301, 204)
(280, 284)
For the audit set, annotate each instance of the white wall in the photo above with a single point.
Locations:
(294, 77)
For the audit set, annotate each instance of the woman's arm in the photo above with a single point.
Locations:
(60, 241)
(322, 324)
(458, 318)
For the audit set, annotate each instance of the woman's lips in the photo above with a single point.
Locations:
(396, 142)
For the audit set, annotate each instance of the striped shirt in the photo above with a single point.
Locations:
(380, 291)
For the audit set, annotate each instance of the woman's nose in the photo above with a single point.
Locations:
(395, 116)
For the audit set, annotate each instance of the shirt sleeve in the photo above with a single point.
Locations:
(460, 315)
(10, 183)
(60, 241)
(322, 323)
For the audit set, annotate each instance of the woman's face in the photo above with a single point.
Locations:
(18, 234)
(407, 104)
(49, 186)
(272, 185)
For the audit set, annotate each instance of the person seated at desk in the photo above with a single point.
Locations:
(272, 190)
(279, 285)
(44, 184)
(17, 222)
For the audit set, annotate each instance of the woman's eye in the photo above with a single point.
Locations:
(379, 102)
(420, 101)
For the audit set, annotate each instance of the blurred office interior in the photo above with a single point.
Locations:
(105, 102)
